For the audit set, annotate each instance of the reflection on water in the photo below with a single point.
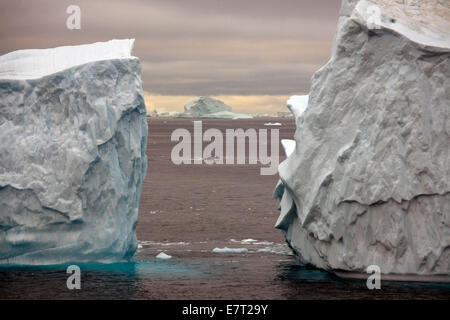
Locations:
(295, 272)
(235, 276)
(111, 281)
(309, 283)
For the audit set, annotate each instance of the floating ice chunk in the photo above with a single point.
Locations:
(163, 256)
(265, 243)
(248, 240)
(297, 105)
(276, 249)
(230, 250)
(244, 241)
(154, 243)
(163, 113)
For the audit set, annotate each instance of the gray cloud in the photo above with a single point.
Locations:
(192, 47)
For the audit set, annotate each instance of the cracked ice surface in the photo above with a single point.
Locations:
(367, 181)
(72, 157)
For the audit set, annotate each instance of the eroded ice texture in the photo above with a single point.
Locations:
(368, 181)
(72, 157)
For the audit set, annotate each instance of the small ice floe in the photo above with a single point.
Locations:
(248, 240)
(163, 256)
(245, 241)
(140, 246)
(272, 124)
(230, 250)
(265, 243)
(154, 243)
(276, 249)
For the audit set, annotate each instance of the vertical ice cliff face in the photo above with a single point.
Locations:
(72, 155)
(368, 182)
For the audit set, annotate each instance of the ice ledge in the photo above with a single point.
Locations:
(420, 25)
(37, 63)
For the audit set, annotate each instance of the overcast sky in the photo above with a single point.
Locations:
(192, 47)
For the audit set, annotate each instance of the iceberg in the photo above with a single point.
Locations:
(209, 108)
(367, 180)
(163, 113)
(73, 154)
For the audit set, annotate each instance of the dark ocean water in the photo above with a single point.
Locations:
(252, 275)
(186, 212)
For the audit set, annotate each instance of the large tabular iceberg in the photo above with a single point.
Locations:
(368, 181)
(209, 108)
(72, 157)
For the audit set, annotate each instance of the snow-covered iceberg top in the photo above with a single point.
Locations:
(37, 63)
(230, 250)
(163, 113)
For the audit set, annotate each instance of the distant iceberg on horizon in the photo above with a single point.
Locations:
(210, 108)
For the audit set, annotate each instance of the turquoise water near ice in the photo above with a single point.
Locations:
(250, 276)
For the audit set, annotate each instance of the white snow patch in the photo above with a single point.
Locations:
(244, 241)
(37, 63)
(252, 241)
(272, 124)
(264, 243)
(248, 240)
(297, 105)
